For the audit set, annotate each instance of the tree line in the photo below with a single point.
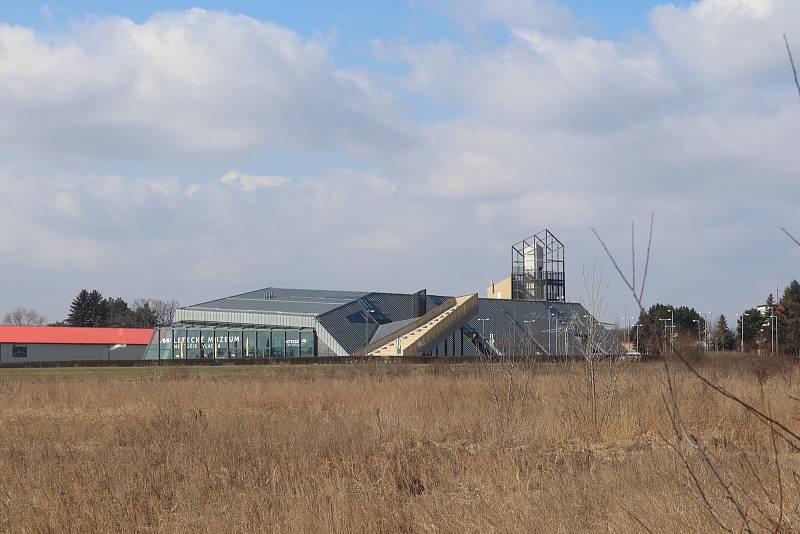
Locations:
(90, 308)
(754, 331)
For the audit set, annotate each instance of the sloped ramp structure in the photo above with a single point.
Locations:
(423, 334)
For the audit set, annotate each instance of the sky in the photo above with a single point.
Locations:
(193, 150)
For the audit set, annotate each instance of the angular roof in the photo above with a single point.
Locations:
(75, 336)
(284, 300)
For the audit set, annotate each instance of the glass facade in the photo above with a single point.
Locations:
(215, 343)
(278, 344)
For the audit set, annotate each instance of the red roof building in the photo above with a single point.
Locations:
(75, 336)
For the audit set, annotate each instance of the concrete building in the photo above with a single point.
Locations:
(34, 344)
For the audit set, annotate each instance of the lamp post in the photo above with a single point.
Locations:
(665, 321)
(367, 317)
(698, 331)
(637, 326)
(483, 327)
(527, 330)
(742, 315)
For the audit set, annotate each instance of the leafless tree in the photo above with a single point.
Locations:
(164, 310)
(733, 506)
(20, 316)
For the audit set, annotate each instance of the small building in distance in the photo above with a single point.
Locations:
(35, 344)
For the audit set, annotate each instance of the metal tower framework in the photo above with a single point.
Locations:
(537, 268)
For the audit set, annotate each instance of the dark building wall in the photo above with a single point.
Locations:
(67, 353)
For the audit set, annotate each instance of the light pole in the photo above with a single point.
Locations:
(665, 334)
(527, 330)
(557, 329)
(671, 327)
(698, 331)
(483, 327)
(637, 326)
(770, 328)
(742, 315)
(367, 317)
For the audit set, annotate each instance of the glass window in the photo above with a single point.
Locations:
(293, 344)
(222, 343)
(192, 344)
(164, 338)
(151, 352)
(278, 343)
(179, 343)
(307, 343)
(207, 344)
(19, 351)
(249, 340)
(263, 343)
(235, 343)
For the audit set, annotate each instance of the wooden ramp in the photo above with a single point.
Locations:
(425, 331)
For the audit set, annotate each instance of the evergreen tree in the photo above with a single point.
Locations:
(79, 310)
(88, 308)
(752, 322)
(98, 309)
(789, 319)
(724, 338)
(652, 332)
(119, 315)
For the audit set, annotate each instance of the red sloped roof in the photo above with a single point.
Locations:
(75, 336)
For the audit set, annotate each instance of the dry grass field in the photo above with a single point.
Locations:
(395, 448)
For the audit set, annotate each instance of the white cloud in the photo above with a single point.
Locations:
(694, 118)
(251, 182)
(548, 15)
(183, 85)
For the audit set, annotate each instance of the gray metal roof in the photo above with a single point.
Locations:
(386, 329)
(283, 300)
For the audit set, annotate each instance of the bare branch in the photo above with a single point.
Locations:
(793, 238)
(791, 61)
(647, 261)
(633, 254)
(616, 266)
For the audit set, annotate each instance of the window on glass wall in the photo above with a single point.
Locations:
(164, 340)
(192, 344)
(207, 344)
(278, 343)
(249, 343)
(263, 342)
(179, 343)
(292, 343)
(307, 343)
(235, 343)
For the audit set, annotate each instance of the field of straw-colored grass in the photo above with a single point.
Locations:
(394, 448)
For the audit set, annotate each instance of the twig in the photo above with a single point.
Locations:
(791, 61)
(638, 521)
(621, 274)
(633, 254)
(647, 260)
(793, 238)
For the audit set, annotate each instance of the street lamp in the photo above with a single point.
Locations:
(665, 334)
(742, 315)
(367, 317)
(637, 326)
(698, 331)
(483, 327)
(527, 329)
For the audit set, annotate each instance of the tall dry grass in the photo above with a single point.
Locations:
(388, 449)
